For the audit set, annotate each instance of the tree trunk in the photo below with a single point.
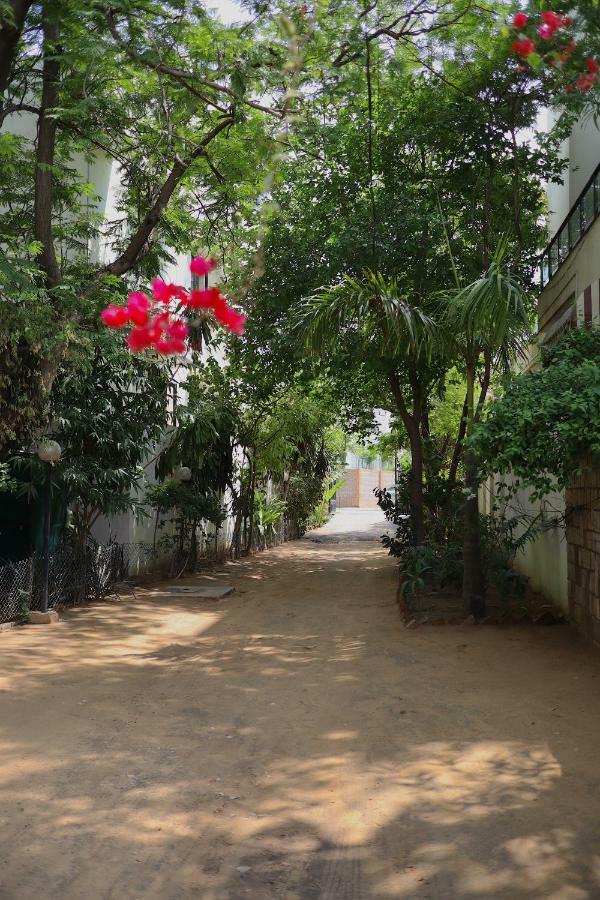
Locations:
(473, 587)
(250, 536)
(10, 35)
(415, 486)
(458, 446)
(46, 142)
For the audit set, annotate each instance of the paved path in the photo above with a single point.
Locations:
(352, 524)
(294, 742)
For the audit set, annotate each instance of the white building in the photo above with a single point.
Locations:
(569, 296)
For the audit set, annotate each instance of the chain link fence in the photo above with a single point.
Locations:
(76, 574)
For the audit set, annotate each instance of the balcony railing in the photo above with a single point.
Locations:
(584, 212)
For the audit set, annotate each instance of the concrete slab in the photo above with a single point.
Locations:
(43, 618)
(204, 588)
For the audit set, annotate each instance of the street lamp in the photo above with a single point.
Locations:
(49, 452)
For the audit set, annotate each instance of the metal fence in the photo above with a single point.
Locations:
(76, 574)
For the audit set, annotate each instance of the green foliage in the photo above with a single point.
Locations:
(415, 568)
(202, 438)
(181, 507)
(108, 411)
(267, 513)
(185, 503)
(320, 513)
(546, 426)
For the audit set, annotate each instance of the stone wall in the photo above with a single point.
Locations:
(583, 553)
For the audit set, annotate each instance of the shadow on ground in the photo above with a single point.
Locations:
(295, 742)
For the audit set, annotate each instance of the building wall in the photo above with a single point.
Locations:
(563, 300)
(583, 537)
(564, 564)
(543, 560)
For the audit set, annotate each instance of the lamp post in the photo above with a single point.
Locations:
(49, 452)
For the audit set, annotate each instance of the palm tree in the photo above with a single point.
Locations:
(397, 336)
(488, 322)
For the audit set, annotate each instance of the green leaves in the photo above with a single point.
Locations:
(371, 307)
(547, 424)
(492, 314)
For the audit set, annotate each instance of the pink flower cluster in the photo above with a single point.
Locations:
(157, 323)
(557, 53)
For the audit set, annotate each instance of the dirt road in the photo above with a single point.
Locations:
(295, 742)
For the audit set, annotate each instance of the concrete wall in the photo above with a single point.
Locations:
(543, 560)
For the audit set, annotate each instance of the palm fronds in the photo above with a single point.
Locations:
(371, 307)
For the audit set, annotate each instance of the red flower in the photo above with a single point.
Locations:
(204, 299)
(586, 81)
(570, 89)
(141, 337)
(164, 293)
(235, 321)
(546, 32)
(552, 20)
(592, 66)
(178, 330)
(202, 266)
(114, 316)
(137, 308)
(166, 346)
(525, 47)
(520, 20)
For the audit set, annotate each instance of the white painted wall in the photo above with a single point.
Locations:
(544, 559)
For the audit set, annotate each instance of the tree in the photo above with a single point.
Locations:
(390, 334)
(109, 410)
(489, 321)
(98, 86)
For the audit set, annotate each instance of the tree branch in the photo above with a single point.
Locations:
(11, 29)
(187, 79)
(127, 259)
(46, 141)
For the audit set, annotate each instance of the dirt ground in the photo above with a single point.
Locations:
(294, 741)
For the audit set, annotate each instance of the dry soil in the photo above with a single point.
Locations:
(294, 741)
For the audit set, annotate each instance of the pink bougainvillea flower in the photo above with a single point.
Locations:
(163, 329)
(141, 337)
(524, 47)
(520, 20)
(204, 299)
(167, 345)
(164, 293)
(178, 330)
(202, 266)
(137, 308)
(235, 321)
(114, 316)
(546, 32)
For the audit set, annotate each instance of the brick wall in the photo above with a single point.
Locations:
(583, 551)
(359, 484)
